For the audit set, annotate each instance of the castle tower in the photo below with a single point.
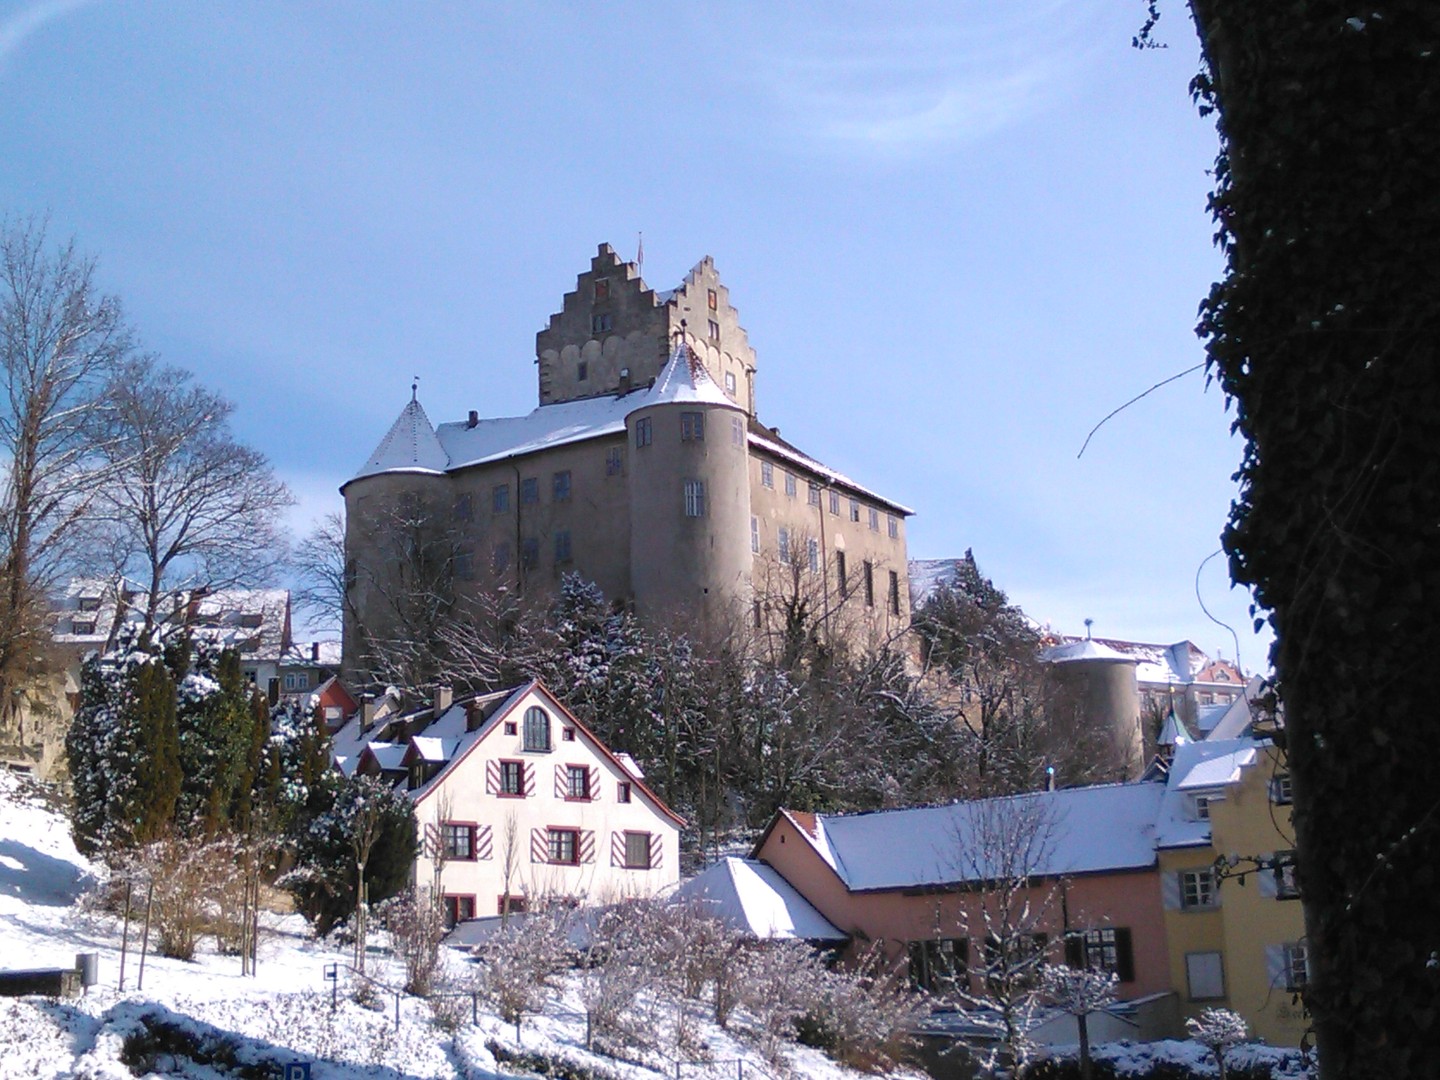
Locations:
(613, 331)
(689, 494)
(1101, 681)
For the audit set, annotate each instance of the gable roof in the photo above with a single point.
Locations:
(752, 897)
(447, 741)
(1199, 766)
(1070, 831)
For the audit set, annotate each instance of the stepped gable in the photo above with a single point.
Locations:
(409, 446)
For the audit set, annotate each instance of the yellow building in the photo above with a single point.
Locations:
(1235, 930)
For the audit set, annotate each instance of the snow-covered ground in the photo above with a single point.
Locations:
(253, 1024)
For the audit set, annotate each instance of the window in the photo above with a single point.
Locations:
(252, 621)
(854, 510)
(714, 330)
(643, 435)
(755, 535)
(784, 540)
(692, 427)
(89, 603)
(567, 734)
(537, 729)
(841, 584)
(464, 507)
(1205, 976)
(1106, 949)
(297, 680)
(812, 551)
(601, 322)
(812, 494)
(1280, 793)
(892, 526)
(500, 498)
(790, 484)
(938, 965)
(530, 552)
(577, 782)
(615, 462)
(1202, 807)
(562, 546)
(602, 288)
(560, 485)
(509, 905)
(512, 778)
(713, 299)
(1197, 890)
(565, 846)
(737, 431)
(695, 498)
(767, 474)
(458, 909)
(582, 371)
(1020, 953)
(874, 520)
(730, 383)
(462, 565)
(529, 491)
(1286, 887)
(894, 593)
(868, 572)
(835, 502)
(500, 560)
(622, 791)
(457, 841)
(78, 627)
(510, 727)
(1296, 959)
(637, 850)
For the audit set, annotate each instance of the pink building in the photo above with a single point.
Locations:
(1071, 873)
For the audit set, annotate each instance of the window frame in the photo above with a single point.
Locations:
(560, 486)
(867, 571)
(500, 499)
(692, 427)
(792, 487)
(623, 792)
(555, 838)
(1190, 973)
(563, 552)
(634, 834)
(582, 774)
(511, 769)
(1206, 889)
(454, 904)
(767, 475)
(615, 462)
(530, 491)
(694, 498)
(782, 545)
(453, 830)
(536, 723)
(644, 432)
(892, 526)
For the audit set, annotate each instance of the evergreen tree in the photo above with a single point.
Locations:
(216, 730)
(150, 807)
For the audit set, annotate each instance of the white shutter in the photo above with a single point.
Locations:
(1170, 891)
(1277, 965)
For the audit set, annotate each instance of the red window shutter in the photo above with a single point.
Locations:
(431, 845)
(539, 846)
(594, 786)
(617, 849)
(492, 778)
(657, 850)
(527, 779)
(562, 786)
(587, 846)
(484, 842)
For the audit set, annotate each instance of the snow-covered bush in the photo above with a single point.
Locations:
(416, 922)
(184, 881)
(519, 964)
(865, 1013)
(1218, 1030)
(780, 983)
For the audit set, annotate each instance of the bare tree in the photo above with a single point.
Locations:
(187, 505)
(1079, 992)
(319, 563)
(60, 340)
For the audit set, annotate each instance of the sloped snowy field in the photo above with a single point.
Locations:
(256, 1024)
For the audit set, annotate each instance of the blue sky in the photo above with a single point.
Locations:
(958, 235)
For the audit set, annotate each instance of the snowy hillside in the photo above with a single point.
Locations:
(206, 1011)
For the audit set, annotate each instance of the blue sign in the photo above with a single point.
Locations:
(296, 1070)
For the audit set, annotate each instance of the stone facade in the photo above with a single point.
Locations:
(644, 469)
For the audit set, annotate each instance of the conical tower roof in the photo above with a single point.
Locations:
(1172, 732)
(684, 379)
(409, 446)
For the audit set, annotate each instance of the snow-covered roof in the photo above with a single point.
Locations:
(1198, 766)
(1070, 831)
(409, 446)
(312, 654)
(1182, 662)
(389, 756)
(1236, 720)
(631, 765)
(767, 439)
(1084, 649)
(684, 378)
(1172, 732)
(750, 896)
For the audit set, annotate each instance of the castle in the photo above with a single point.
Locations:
(644, 469)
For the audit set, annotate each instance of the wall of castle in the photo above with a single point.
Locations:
(845, 528)
(712, 327)
(688, 558)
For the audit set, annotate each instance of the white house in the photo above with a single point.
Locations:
(518, 801)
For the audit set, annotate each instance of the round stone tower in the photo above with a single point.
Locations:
(689, 489)
(1101, 682)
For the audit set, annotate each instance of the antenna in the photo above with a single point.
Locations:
(1088, 623)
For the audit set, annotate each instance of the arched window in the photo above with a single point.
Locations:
(537, 729)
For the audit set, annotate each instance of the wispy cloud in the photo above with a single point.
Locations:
(909, 79)
(23, 24)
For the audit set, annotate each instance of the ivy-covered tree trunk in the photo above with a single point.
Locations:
(1326, 335)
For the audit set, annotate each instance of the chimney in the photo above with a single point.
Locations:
(367, 712)
(314, 652)
(624, 380)
(443, 697)
(473, 716)
(474, 419)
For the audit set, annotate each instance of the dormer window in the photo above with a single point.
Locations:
(89, 603)
(78, 627)
(1202, 806)
(251, 621)
(537, 730)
